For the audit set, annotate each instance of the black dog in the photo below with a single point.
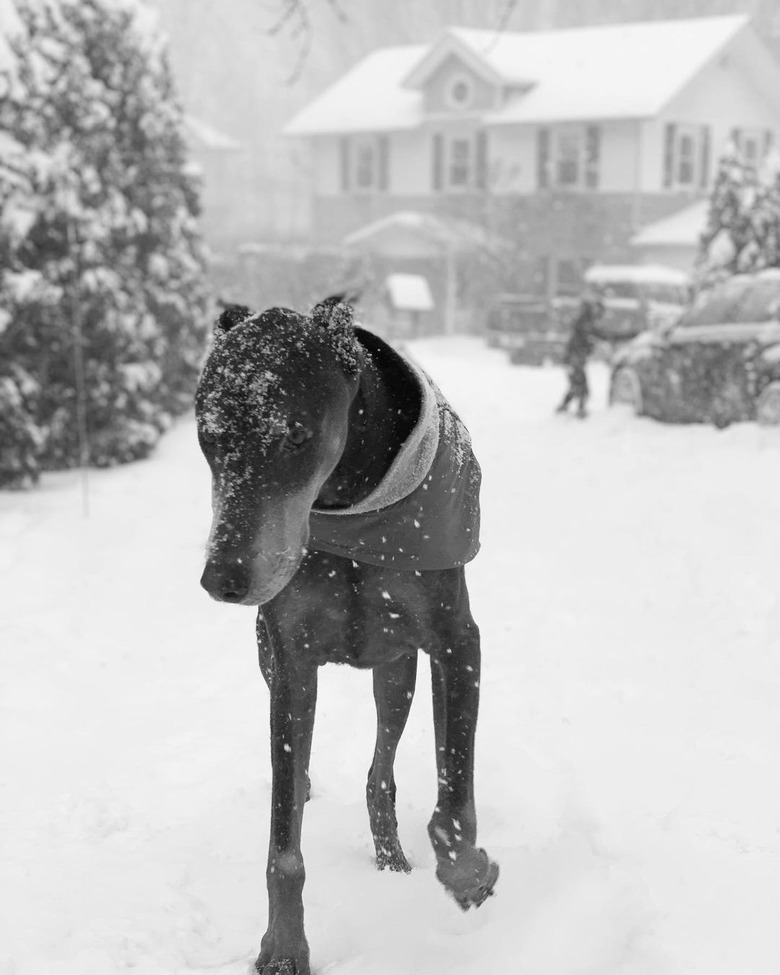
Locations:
(345, 498)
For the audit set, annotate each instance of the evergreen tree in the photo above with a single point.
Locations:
(103, 282)
(743, 222)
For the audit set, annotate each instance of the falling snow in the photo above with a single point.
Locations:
(626, 593)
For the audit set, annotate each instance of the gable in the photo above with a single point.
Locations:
(453, 87)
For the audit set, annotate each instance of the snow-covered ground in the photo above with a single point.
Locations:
(629, 602)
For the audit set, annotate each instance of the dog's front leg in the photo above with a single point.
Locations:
(293, 686)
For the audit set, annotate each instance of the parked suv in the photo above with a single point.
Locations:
(637, 297)
(720, 362)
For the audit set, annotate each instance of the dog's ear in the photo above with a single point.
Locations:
(333, 311)
(335, 314)
(231, 316)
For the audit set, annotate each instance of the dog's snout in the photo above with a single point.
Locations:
(229, 583)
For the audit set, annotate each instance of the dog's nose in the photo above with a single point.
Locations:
(227, 583)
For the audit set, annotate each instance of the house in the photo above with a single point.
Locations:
(565, 142)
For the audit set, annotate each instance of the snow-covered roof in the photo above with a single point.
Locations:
(614, 71)
(682, 228)
(409, 292)
(203, 135)
(638, 273)
(441, 233)
(368, 97)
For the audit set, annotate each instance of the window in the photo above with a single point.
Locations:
(568, 150)
(364, 163)
(686, 156)
(460, 91)
(752, 145)
(568, 157)
(460, 163)
(687, 146)
(718, 306)
(751, 149)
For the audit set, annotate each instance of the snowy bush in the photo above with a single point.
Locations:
(743, 224)
(103, 302)
(20, 437)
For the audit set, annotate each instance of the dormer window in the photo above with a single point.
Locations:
(460, 91)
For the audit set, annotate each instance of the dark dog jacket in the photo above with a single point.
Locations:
(425, 512)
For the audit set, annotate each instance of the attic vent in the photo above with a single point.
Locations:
(460, 91)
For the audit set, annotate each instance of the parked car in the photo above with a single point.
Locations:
(637, 297)
(529, 327)
(534, 329)
(718, 363)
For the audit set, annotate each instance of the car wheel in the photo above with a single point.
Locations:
(768, 406)
(626, 391)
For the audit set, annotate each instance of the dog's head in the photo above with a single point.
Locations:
(272, 409)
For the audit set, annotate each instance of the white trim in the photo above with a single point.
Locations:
(445, 46)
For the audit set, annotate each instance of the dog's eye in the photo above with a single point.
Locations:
(208, 436)
(297, 435)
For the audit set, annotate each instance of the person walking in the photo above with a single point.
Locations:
(579, 346)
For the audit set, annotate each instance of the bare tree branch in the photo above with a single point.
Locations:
(294, 16)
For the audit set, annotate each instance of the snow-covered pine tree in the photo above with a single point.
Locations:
(103, 284)
(743, 222)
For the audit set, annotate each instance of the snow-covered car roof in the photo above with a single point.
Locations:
(636, 273)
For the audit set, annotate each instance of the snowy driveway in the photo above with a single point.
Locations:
(629, 599)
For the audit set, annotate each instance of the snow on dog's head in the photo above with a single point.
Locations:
(272, 408)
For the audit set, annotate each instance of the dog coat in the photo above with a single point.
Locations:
(425, 512)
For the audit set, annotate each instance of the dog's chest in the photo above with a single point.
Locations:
(356, 614)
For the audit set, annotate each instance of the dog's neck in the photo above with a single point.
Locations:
(382, 416)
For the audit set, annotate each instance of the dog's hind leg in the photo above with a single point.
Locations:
(466, 871)
(394, 685)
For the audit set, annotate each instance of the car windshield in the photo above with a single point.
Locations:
(671, 294)
(618, 289)
(718, 306)
(760, 303)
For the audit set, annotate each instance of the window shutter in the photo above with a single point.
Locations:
(670, 134)
(768, 142)
(592, 156)
(437, 175)
(383, 163)
(704, 172)
(736, 138)
(542, 157)
(481, 162)
(345, 160)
